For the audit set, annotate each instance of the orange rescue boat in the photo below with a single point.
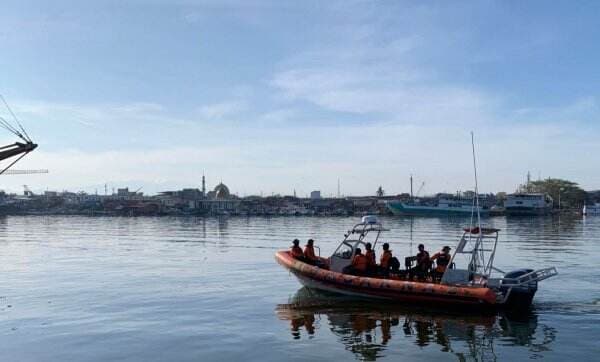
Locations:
(474, 286)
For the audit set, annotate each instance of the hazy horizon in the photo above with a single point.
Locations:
(275, 96)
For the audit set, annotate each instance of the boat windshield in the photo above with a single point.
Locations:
(345, 250)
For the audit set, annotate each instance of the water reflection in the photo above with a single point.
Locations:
(370, 329)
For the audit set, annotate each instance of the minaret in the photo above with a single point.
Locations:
(203, 185)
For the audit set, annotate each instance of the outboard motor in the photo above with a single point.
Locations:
(520, 296)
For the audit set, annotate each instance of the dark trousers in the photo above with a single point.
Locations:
(420, 271)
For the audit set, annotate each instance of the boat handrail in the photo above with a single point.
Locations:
(534, 276)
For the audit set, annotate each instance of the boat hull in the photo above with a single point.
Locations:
(388, 289)
(400, 208)
(527, 211)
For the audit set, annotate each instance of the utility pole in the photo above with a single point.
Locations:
(338, 193)
(411, 186)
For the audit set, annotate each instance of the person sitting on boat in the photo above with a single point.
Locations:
(442, 259)
(421, 270)
(296, 250)
(309, 253)
(360, 264)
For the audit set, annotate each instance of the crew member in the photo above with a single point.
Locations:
(442, 259)
(296, 250)
(359, 265)
(370, 254)
(309, 253)
(423, 263)
(385, 260)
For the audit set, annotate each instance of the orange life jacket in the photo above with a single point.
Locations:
(423, 260)
(370, 254)
(360, 262)
(442, 261)
(297, 252)
(386, 257)
(309, 252)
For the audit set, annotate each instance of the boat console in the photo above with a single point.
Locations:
(357, 237)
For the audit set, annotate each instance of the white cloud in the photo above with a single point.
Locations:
(221, 110)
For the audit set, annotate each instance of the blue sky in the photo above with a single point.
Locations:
(276, 96)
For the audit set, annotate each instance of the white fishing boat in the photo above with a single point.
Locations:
(528, 204)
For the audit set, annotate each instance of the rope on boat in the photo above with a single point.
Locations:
(12, 129)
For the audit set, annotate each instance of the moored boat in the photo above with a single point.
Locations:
(474, 285)
(528, 204)
(438, 207)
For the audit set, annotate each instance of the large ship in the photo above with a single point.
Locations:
(436, 206)
(528, 204)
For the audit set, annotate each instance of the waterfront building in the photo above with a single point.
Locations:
(219, 201)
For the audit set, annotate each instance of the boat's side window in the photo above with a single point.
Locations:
(344, 251)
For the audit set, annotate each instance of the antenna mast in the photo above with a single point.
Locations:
(476, 185)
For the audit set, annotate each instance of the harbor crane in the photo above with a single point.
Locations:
(27, 191)
(23, 172)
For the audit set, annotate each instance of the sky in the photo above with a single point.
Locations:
(275, 96)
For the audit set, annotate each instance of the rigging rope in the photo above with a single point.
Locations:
(4, 123)
(24, 136)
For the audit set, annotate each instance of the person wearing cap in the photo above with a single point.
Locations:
(442, 259)
(309, 252)
(296, 250)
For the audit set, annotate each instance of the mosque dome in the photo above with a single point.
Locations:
(221, 191)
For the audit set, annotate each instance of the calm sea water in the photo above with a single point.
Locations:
(194, 289)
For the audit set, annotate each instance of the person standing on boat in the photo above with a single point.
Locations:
(296, 250)
(385, 260)
(423, 263)
(370, 254)
(442, 259)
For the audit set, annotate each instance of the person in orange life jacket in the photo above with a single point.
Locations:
(423, 263)
(296, 250)
(309, 254)
(442, 259)
(385, 260)
(359, 265)
(370, 254)
(309, 251)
